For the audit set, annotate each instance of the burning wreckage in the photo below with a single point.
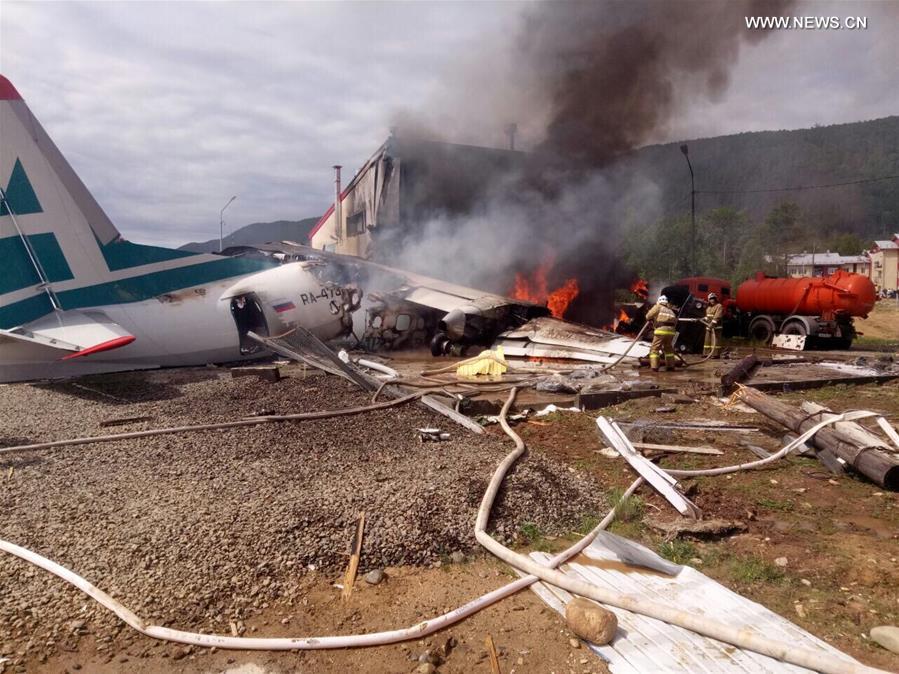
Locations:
(405, 310)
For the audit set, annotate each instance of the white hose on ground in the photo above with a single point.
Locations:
(416, 631)
(781, 453)
(742, 637)
(301, 416)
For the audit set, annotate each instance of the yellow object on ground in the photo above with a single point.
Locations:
(487, 362)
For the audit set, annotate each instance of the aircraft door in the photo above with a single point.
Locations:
(249, 317)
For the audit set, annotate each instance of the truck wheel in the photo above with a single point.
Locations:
(795, 328)
(761, 329)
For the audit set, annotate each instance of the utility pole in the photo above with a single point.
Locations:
(222, 223)
(684, 149)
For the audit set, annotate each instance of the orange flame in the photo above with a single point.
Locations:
(536, 289)
(640, 288)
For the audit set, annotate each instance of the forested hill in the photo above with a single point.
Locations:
(745, 213)
(779, 159)
(259, 232)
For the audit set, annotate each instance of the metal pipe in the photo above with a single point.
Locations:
(338, 219)
(32, 255)
(222, 223)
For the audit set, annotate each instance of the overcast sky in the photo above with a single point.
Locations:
(166, 110)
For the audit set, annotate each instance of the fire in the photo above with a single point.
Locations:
(623, 317)
(640, 288)
(536, 289)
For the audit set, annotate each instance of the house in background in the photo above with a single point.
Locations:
(884, 258)
(405, 184)
(824, 264)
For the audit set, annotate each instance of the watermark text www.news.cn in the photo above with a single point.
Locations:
(806, 22)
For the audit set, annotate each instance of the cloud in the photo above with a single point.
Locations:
(166, 110)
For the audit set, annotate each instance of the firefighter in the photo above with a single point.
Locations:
(714, 314)
(664, 321)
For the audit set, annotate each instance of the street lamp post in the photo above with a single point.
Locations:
(222, 223)
(683, 148)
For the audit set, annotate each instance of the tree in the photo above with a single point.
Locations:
(846, 244)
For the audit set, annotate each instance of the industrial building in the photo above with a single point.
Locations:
(407, 181)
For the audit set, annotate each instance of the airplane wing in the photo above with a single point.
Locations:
(74, 333)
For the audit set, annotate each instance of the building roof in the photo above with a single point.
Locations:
(826, 259)
(887, 245)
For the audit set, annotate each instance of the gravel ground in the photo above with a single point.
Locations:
(198, 530)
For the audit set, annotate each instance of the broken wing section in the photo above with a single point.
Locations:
(546, 337)
(68, 334)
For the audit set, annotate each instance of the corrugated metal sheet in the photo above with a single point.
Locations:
(647, 645)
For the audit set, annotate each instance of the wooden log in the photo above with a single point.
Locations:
(739, 373)
(871, 462)
(850, 430)
(805, 384)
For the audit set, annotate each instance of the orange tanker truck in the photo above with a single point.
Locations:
(820, 308)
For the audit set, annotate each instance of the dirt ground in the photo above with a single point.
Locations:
(836, 538)
(528, 636)
(881, 328)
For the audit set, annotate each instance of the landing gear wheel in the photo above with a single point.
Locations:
(440, 344)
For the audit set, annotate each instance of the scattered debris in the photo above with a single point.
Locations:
(121, 421)
(491, 652)
(679, 449)
(270, 373)
(356, 550)
(432, 435)
(551, 409)
(658, 478)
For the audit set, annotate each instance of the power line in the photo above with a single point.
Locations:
(799, 187)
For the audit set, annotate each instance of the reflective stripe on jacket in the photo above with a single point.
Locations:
(662, 314)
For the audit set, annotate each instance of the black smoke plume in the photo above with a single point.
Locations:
(599, 79)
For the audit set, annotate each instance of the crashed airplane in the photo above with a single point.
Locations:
(76, 298)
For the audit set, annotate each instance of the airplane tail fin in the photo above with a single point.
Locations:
(58, 248)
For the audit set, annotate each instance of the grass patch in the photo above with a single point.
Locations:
(774, 504)
(588, 524)
(678, 551)
(751, 569)
(534, 537)
(627, 509)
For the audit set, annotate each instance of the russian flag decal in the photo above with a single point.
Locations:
(284, 305)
